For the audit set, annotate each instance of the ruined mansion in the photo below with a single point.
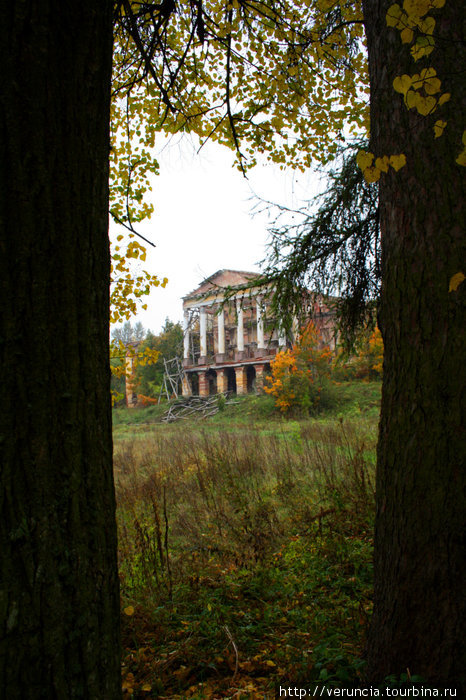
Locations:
(230, 335)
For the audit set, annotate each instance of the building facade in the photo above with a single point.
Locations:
(230, 336)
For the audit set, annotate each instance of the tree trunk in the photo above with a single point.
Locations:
(59, 598)
(420, 565)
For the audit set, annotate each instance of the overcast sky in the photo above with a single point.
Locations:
(202, 220)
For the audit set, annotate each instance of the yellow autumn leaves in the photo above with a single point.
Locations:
(439, 127)
(461, 160)
(372, 170)
(455, 281)
(411, 21)
(420, 91)
(128, 287)
(294, 81)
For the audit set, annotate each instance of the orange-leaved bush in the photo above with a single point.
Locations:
(366, 363)
(300, 375)
(374, 354)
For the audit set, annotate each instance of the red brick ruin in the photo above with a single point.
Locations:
(228, 345)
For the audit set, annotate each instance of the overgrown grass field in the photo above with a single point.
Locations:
(245, 545)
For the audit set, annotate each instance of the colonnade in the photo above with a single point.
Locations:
(220, 316)
(221, 374)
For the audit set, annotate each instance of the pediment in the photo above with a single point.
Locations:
(221, 278)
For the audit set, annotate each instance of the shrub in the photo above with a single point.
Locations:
(300, 376)
(367, 363)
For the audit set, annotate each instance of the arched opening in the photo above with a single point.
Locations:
(194, 382)
(211, 376)
(251, 378)
(231, 378)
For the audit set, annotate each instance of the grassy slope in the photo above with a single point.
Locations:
(350, 400)
(264, 572)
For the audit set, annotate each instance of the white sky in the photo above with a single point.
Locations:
(202, 220)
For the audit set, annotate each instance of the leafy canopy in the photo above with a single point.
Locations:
(283, 79)
(286, 80)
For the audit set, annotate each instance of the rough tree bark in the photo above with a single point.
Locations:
(59, 600)
(420, 564)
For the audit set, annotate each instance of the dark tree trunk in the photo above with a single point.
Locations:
(420, 554)
(59, 600)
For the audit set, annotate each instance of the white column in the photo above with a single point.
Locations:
(203, 330)
(186, 334)
(260, 324)
(281, 336)
(221, 332)
(240, 327)
(295, 328)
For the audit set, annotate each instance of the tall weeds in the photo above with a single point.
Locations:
(196, 499)
(245, 555)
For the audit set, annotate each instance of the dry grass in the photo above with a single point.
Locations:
(233, 493)
(218, 528)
